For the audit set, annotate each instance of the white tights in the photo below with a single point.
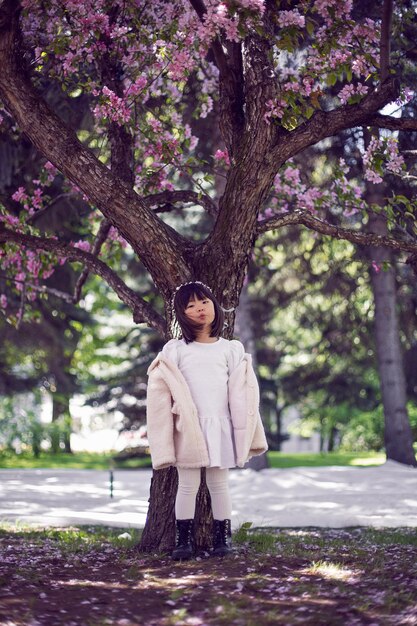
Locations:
(218, 486)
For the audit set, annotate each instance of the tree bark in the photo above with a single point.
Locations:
(398, 435)
(61, 410)
(244, 330)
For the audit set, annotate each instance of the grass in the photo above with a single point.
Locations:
(302, 459)
(77, 460)
(103, 461)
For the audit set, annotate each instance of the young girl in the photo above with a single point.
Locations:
(202, 411)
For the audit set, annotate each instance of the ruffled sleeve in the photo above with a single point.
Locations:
(170, 351)
(236, 355)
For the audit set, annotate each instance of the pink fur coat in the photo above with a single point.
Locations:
(174, 433)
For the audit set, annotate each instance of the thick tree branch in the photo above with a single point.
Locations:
(231, 100)
(327, 123)
(142, 311)
(392, 123)
(147, 234)
(260, 80)
(299, 216)
(158, 200)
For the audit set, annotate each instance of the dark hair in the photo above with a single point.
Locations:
(182, 297)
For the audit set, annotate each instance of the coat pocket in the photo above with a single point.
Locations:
(176, 416)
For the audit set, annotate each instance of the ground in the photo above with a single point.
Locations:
(91, 576)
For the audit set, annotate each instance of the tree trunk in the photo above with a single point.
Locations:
(61, 411)
(244, 330)
(159, 532)
(398, 435)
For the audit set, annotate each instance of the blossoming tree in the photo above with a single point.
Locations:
(279, 77)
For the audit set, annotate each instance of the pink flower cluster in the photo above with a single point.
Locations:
(333, 9)
(406, 96)
(291, 18)
(27, 268)
(81, 244)
(291, 192)
(113, 107)
(226, 18)
(382, 152)
(274, 109)
(351, 90)
(253, 5)
(222, 156)
(354, 45)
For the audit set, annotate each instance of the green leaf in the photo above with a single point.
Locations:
(310, 26)
(331, 79)
(402, 200)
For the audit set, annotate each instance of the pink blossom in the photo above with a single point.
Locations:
(254, 5)
(406, 96)
(291, 18)
(155, 124)
(206, 107)
(274, 109)
(347, 92)
(222, 155)
(362, 89)
(360, 66)
(113, 108)
(231, 30)
(395, 164)
(37, 198)
(19, 280)
(351, 211)
(308, 198)
(292, 175)
(137, 86)
(50, 167)
(373, 177)
(182, 63)
(376, 267)
(20, 195)
(3, 301)
(340, 9)
(82, 245)
(395, 160)
(221, 10)
(11, 219)
(33, 266)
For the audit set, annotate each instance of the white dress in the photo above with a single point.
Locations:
(206, 368)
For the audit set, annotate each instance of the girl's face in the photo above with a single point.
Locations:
(200, 311)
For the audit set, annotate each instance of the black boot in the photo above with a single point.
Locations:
(222, 537)
(184, 541)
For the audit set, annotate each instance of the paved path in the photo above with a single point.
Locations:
(324, 496)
